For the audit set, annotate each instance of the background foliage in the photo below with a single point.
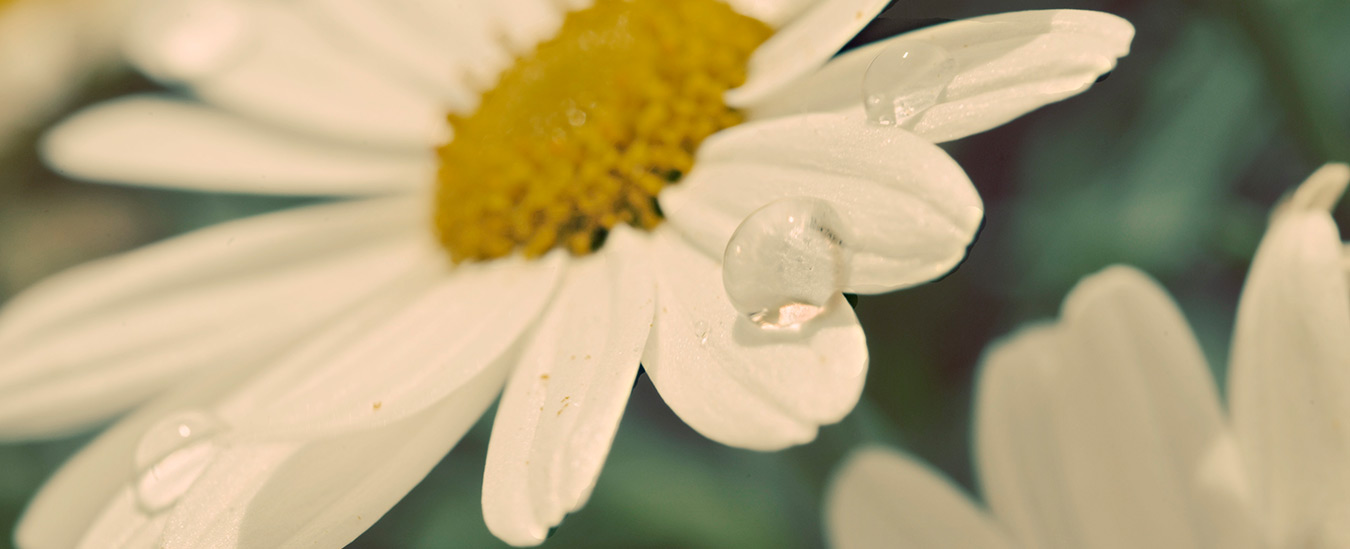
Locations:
(1170, 164)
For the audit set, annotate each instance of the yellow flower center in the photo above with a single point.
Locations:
(584, 132)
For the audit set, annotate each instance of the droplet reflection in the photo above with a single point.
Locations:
(785, 262)
(905, 79)
(171, 455)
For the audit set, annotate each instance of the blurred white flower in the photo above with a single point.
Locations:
(47, 49)
(334, 353)
(1104, 429)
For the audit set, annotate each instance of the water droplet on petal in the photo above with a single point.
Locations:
(171, 455)
(905, 79)
(701, 331)
(190, 39)
(785, 262)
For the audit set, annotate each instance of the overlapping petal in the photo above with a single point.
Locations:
(277, 67)
(156, 141)
(1289, 382)
(1104, 430)
(873, 498)
(910, 209)
(562, 406)
(1006, 65)
(104, 336)
(803, 45)
(733, 381)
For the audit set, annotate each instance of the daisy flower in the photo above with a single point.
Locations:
(1104, 429)
(547, 191)
(47, 47)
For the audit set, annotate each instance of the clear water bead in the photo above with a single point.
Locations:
(786, 261)
(905, 79)
(171, 455)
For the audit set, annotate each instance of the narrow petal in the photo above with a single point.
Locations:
(91, 490)
(325, 492)
(281, 69)
(1289, 382)
(1007, 65)
(911, 210)
(882, 498)
(376, 33)
(97, 339)
(775, 13)
(1135, 453)
(737, 383)
(161, 142)
(464, 32)
(400, 353)
(562, 407)
(804, 45)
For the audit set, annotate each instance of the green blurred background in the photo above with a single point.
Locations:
(1170, 164)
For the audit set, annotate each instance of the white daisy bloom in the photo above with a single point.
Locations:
(534, 242)
(1104, 429)
(47, 47)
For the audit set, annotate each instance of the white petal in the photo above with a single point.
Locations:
(909, 207)
(326, 492)
(294, 76)
(804, 45)
(882, 498)
(464, 32)
(399, 353)
(91, 489)
(562, 407)
(775, 13)
(102, 337)
(39, 63)
(1289, 381)
(1135, 453)
(1007, 65)
(156, 141)
(526, 23)
(734, 382)
(377, 33)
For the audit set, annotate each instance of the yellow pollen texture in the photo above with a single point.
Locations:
(584, 132)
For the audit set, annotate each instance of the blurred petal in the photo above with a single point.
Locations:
(377, 33)
(1007, 65)
(882, 498)
(400, 353)
(737, 383)
(1135, 453)
(910, 208)
(322, 493)
(155, 141)
(457, 26)
(1289, 382)
(99, 338)
(562, 407)
(802, 46)
(775, 13)
(278, 68)
(95, 481)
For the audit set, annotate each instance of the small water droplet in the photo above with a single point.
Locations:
(171, 455)
(701, 331)
(576, 117)
(785, 262)
(905, 79)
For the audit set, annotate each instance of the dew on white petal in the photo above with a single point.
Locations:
(905, 79)
(701, 331)
(190, 39)
(786, 262)
(171, 455)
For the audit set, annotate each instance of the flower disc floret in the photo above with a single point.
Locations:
(584, 132)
